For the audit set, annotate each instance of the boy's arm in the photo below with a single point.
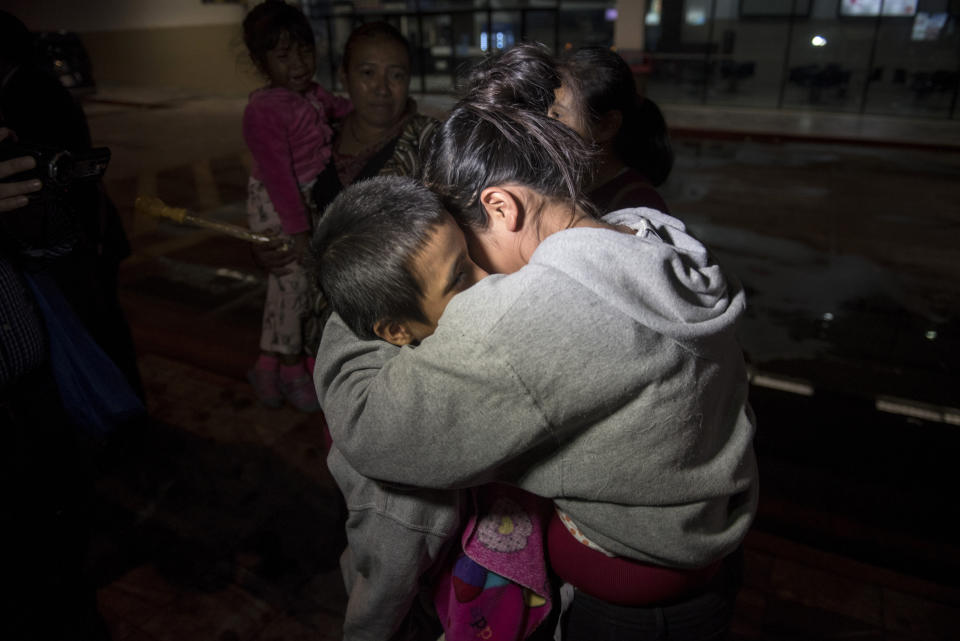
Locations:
(449, 413)
(394, 538)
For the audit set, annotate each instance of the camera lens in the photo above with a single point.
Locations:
(60, 168)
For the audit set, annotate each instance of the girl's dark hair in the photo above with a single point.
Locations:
(601, 82)
(523, 76)
(482, 144)
(267, 22)
(374, 30)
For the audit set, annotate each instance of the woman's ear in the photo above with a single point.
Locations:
(608, 127)
(394, 332)
(503, 207)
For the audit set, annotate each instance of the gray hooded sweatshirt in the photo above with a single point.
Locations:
(605, 375)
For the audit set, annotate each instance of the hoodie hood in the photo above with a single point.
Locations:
(661, 276)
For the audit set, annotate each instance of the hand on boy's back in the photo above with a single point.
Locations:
(279, 254)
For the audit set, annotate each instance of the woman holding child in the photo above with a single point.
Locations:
(598, 368)
(382, 135)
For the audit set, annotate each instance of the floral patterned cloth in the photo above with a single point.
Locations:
(499, 587)
(288, 296)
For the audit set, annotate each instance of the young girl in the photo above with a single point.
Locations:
(286, 126)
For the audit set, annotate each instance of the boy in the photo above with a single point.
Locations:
(389, 258)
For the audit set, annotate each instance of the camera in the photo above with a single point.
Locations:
(57, 169)
(54, 216)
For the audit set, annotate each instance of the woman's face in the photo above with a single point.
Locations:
(566, 110)
(377, 79)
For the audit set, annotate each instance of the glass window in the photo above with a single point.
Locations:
(747, 59)
(774, 8)
(914, 69)
(585, 24)
(340, 28)
(438, 54)
(895, 57)
(828, 62)
(504, 30)
(873, 7)
(678, 35)
(541, 26)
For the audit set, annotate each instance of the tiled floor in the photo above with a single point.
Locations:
(220, 524)
(219, 521)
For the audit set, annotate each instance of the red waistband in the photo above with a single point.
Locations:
(616, 579)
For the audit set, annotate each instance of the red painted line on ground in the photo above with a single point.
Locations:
(778, 138)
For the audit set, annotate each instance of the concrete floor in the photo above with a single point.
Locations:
(218, 521)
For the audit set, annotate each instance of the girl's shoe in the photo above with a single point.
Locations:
(266, 385)
(300, 393)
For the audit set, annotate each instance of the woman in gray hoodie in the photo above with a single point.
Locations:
(598, 367)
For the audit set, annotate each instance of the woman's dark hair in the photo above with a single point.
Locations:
(374, 30)
(267, 22)
(601, 82)
(363, 249)
(524, 76)
(481, 144)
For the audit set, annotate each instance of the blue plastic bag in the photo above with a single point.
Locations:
(94, 392)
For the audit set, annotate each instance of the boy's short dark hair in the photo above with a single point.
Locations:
(363, 248)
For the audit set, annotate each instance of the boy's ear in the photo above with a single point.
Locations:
(395, 332)
(503, 206)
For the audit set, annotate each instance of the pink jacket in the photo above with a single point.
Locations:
(290, 137)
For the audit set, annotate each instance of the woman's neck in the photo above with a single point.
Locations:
(606, 167)
(361, 134)
(560, 216)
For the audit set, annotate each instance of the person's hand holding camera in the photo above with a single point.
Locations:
(13, 195)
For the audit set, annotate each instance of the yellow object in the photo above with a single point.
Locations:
(151, 206)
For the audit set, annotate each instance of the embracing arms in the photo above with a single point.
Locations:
(395, 536)
(450, 413)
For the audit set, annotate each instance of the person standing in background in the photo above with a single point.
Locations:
(287, 127)
(83, 239)
(598, 99)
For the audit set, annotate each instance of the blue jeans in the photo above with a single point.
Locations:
(704, 616)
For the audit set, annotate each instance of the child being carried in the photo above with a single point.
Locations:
(389, 258)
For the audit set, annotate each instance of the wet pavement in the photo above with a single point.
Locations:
(220, 517)
(851, 262)
(849, 255)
